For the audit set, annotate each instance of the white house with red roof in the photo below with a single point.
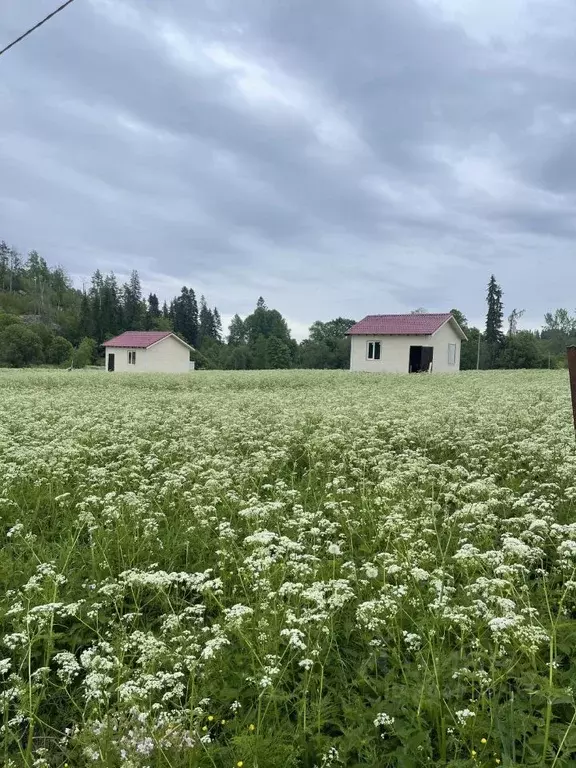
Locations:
(414, 343)
(148, 351)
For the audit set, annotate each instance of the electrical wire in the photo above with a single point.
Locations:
(32, 29)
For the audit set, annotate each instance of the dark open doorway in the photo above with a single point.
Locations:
(421, 359)
(110, 361)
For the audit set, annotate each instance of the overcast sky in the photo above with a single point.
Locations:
(338, 157)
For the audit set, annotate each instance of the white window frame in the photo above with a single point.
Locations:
(131, 357)
(371, 348)
(452, 351)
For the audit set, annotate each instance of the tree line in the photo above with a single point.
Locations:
(45, 319)
(501, 344)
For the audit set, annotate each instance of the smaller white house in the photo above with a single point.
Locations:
(417, 343)
(148, 351)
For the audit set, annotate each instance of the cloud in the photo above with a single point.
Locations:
(338, 158)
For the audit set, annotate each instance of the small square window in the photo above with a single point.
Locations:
(132, 357)
(373, 352)
(451, 354)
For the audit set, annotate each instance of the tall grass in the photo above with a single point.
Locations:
(287, 569)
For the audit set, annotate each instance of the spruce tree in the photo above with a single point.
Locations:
(277, 353)
(111, 315)
(494, 335)
(97, 317)
(495, 316)
(185, 309)
(206, 328)
(153, 305)
(152, 312)
(217, 324)
(132, 305)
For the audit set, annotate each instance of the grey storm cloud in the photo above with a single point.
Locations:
(338, 157)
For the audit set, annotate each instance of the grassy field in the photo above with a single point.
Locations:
(287, 569)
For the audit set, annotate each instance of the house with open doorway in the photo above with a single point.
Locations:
(148, 352)
(415, 343)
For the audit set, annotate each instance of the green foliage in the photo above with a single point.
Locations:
(44, 333)
(560, 321)
(260, 341)
(332, 353)
(460, 318)
(134, 308)
(327, 345)
(469, 350)
(333, 330)
(259, 353)
(161, 324)
(6, 320)
(185, 316)
(211, 354)
(277, 353)
(19, 347)
(210, 325)
(85, 354)
(60, 351)
(153, 306)
(266, 323)
(521, 351)
(238, 358)
(236, 331)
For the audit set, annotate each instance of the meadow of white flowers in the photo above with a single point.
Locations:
(287, 569)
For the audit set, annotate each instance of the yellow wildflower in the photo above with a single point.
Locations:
(251, 727)
(483, 741)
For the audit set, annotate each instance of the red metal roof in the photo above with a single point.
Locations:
(399, 325)
(137, 339)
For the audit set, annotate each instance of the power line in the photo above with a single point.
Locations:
(18, 39)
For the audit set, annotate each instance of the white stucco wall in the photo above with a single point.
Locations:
(121, 359)
(395, 351)
(166, 356)
(446, 335)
